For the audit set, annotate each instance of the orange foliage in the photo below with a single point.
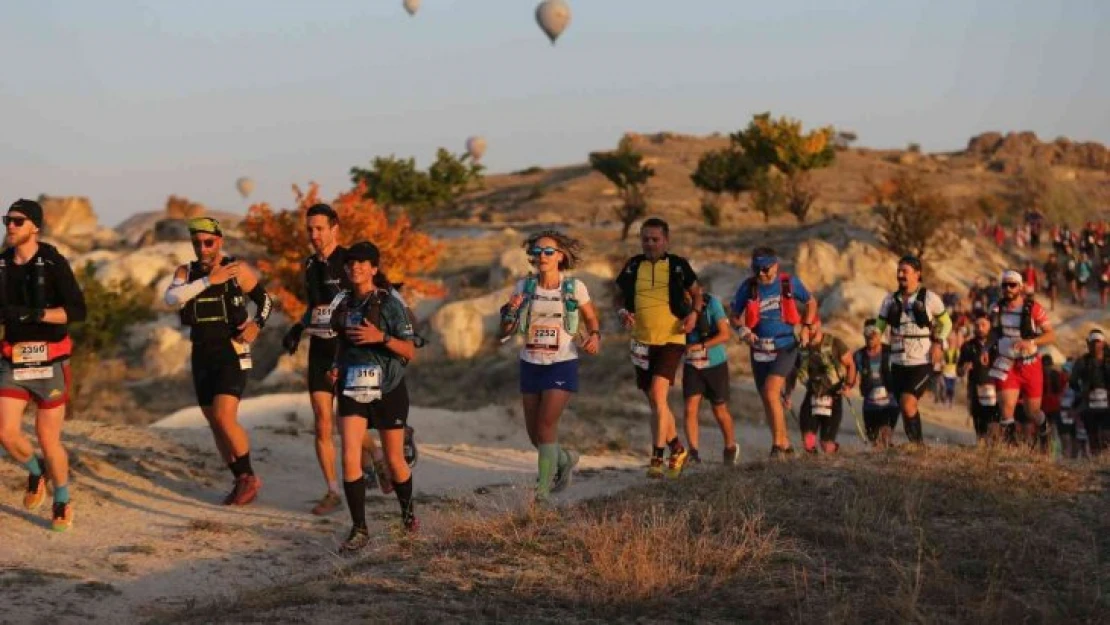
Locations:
(405, 251)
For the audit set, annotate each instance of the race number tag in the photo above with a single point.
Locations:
(897, 344)
(822, 406)
(319, 323)
(639, 353)
(29, 353)
(1001, 367)
(33, 373)
(878, 396)
(987, 394)
(698, 358)
(765, 351)
(542, 339)
(243, 351)
(1098, 399)
(363, 383)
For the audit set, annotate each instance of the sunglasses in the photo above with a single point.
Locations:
(1011, 285)
(205, 243)
(16, 221)
(763, 270)
(546, 251)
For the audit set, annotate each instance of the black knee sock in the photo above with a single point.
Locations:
(356, 501)
(657, 452)
(404, 497)
(913, 428)
(242, 465)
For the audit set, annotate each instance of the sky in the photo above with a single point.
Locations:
(129, 101)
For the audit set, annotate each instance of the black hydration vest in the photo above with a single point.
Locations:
(918, 311)
(866, 383)
(218, 311)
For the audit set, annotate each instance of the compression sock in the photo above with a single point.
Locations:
(61, 494)
(549, 462)
(34, 467)
(913, 428)
(356, 501)
(242, 465)
(404, 497)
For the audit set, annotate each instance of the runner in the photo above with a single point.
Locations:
(1021, 326)
(1084, 271)
(1090, 379)
(39, 297)
(546, 308)
(376, 342)
(210, 295)
(827, 369)
(765, 310)
(1052, 279)
(325, 279)
(880, 411)
(654, 294)
(951, 357)
(706, 374)
(918, 325)
(976, 358)
(1029, 276)
(1055, 383)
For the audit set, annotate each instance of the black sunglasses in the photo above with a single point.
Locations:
(205, 243)
(17, 221)
(1011, 285)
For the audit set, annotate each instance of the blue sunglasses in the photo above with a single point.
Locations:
(546, 251)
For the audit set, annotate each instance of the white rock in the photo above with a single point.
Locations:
(146, 265)
(510, 265)
(167, 352)
(852, 300)
(462, 329)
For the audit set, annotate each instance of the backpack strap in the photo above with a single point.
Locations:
(524, 315)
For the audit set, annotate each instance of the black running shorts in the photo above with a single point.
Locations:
(663, 361)
(391, 412)
(912, 379)
(321, 356)
(216, 371)
(712, 382)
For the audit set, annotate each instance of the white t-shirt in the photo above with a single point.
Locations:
(547, 340)
(909, 342)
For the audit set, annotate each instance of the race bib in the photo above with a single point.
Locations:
(29, 353)
(698, 358)
(542, 339)
(1001, 367)
(878, 396)
(765, 351)
(363, 383)
(1098, 399)
(987, 394)
(33, 373)
(822, 406)
(639, 353)
(243, 351)
(319, 323)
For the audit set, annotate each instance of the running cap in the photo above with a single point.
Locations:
(363, 250)
(1010, 276)
(29, 208)
(871, 327)
(760, 263)
(1096, 335)
(206, 225)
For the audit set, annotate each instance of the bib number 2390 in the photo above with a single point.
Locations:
(363, 383)
(30, 359)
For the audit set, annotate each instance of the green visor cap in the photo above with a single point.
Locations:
(206, 225)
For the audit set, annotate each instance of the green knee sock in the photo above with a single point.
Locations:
(549, 462)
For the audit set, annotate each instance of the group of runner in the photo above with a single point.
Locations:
(362, 336)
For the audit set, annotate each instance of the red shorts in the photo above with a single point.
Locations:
(1028, 377)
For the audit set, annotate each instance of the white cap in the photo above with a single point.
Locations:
(1096, 335)
(1011, 276)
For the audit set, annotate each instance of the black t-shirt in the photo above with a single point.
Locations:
(324, 279)
(970, 353)
(58, 289)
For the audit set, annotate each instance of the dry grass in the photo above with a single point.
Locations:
(945, 536)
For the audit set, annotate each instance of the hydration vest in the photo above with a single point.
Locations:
(1027, 328)
(570, 305)
(918, 311)
(217, 304)
(866, 377)
(788, 306)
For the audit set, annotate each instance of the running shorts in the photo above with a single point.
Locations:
(712, 382)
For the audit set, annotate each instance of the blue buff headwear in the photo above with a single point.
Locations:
(763, 262)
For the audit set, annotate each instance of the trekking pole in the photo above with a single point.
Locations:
(861, 429)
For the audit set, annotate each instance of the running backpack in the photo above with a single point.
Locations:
(788, 306)
(917, 310)
(570, 305)
(1028, 329)
(863, 363)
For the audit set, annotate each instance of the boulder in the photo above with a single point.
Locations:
(68, 216)
(852, 301)
(462, 329)
(146, 265)
(167, 351)
(820, 264)
(511, 265)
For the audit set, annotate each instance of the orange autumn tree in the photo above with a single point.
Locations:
(406, 252)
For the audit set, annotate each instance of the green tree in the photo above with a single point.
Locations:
(397, 183)
(780, 144)
(718, 172)
(624, 168)
(768, 194)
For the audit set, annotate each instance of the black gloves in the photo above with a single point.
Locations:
(23, 314)
(292, 338)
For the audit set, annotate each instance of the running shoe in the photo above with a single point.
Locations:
(564, 472)
(246, 490)
(676, 463)
(732, 456)
(694, 457)
(655, 469)
(36, 491)
(328, 503)
(410, 451)
(412, 524)
(781, 452)
(63, 517)
(356, 541)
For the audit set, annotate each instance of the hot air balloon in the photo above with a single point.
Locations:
(476, 147)
(245, 186)
(412, 6)
(553, 17)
